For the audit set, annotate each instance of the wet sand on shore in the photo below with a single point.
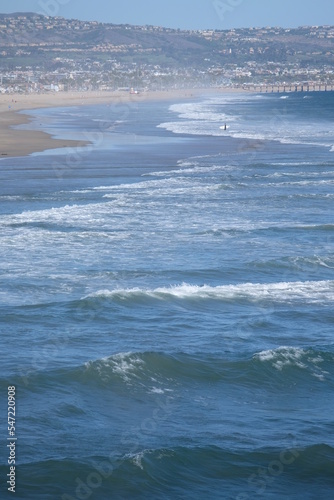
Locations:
(15, 142)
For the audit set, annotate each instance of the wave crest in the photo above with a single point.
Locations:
(294, 357)
(309, 291)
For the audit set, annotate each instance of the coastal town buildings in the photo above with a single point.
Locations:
(52, 54)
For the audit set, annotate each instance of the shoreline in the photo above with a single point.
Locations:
(14, 111)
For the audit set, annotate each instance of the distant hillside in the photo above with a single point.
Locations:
(32, 42)
(148, 43)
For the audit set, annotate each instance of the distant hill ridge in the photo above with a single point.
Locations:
(30, 41)
(41, 14)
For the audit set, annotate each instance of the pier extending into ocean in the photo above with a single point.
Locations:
(289, 87)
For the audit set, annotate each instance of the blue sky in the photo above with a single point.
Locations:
(185, 14)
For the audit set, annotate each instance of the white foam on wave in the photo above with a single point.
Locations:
(271, 135)
(170, 185)
(10, 198)
(293, 164)
(85, 215)
(200, 118)
(307, 291)
(282, 356)
(138, 458)
(303, 183)
(132, 369)
(143, 185)
(207, 118)
(124, 364)
(187, 168)
(314, 261)
(286, 356)
(278, 175)
(237, 131)
(201, 111)
(192, 128)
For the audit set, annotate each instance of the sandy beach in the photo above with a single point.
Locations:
(24, 142)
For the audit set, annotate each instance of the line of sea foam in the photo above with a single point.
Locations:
(317, 292)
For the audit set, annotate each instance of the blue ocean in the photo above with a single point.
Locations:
(166, 301)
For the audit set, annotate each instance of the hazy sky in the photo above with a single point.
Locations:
(185, 14)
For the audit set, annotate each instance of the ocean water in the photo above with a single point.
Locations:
(166, 301)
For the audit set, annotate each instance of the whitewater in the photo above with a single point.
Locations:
(166, 301)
